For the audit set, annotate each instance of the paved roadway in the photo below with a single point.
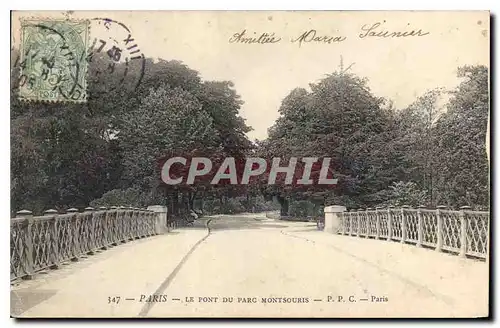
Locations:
(248, 265)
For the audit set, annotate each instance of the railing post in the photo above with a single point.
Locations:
(332, 218)
(348, 224)
(24, 214)
(125, 224)
(420, 225)
(368, 223)
(92, 233)
(53, 240)
(131, 222)
(377, 223)
(463, 230)
(99, 223)
(358, 226)
(143, 224)
(107, 230)
(351, 222)
(130, 227)
(27, 261)
(114, 227)
(389, 222)
(155, 219)
(75, 243)
(342, 223)
(160, 218)
(403, 223)
(135, 222)
(439, 230)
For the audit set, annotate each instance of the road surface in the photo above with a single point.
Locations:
(250, 266)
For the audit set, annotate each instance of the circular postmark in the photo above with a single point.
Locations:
(114, 53)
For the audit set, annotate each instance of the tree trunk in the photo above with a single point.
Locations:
(192, 196)
(284, 203)
(175, 207)
(170, 205)
(185, 202)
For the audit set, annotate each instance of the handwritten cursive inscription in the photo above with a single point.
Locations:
(374, 30)
(262, 38)
(368, 31)
(311, 36)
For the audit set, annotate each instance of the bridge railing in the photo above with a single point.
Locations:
(42, 242)
(463, 232)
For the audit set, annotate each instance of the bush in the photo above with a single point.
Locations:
(304, 208)
(406, 193)
(121, 197)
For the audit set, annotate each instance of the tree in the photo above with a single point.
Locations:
(66, 155)
(62, 155)
(415, 135)
(461, 161)
(406, 193)
(168, 121)
(223, 104)
(340, 119)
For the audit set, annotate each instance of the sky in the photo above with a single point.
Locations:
(399, 69)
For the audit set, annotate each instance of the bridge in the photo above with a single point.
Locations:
(130, 262)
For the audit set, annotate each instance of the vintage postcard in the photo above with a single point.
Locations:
(260, 164)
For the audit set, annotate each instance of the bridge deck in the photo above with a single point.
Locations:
(249, 259)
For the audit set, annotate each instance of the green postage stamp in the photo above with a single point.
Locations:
(53, 60)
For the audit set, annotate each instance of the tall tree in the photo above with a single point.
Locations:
(415, 135)
(340, 119)
(462, 164)
(61, 153)
(168, 121)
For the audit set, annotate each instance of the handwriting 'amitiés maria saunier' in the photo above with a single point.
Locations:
(368, 31)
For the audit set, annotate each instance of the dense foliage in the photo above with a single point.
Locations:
(105, 152)
(429, 153)
(108, 149)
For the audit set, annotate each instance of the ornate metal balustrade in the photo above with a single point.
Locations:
(38, 243)
(463, 232)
